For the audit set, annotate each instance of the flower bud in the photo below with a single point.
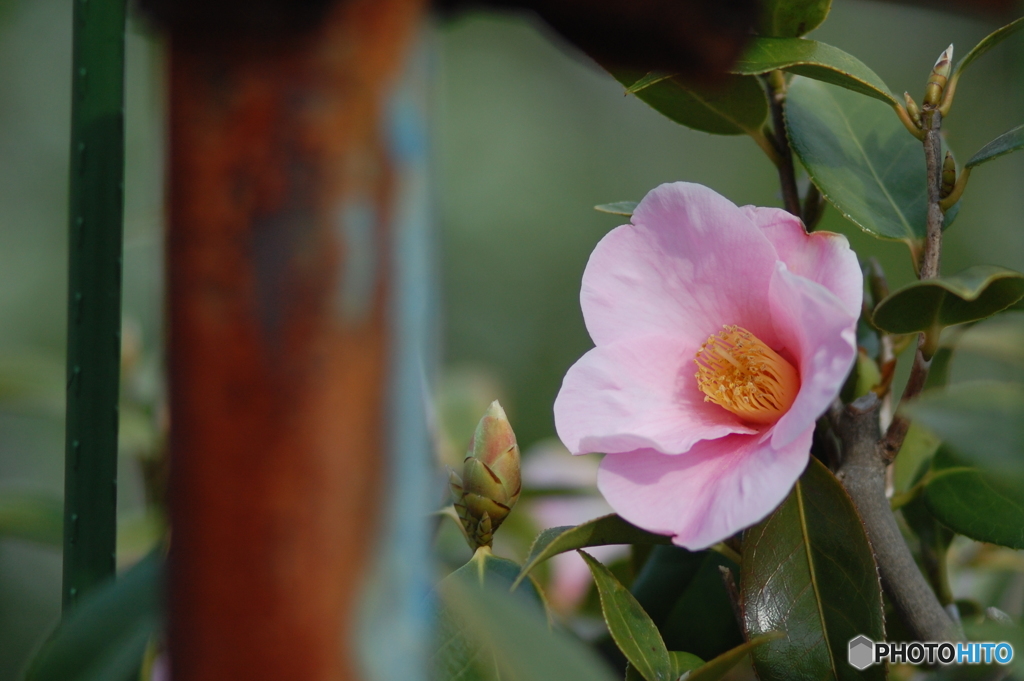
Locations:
(948, 176)
(490, 482)
(937, 80)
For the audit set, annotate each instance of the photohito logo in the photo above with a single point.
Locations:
(864, 652)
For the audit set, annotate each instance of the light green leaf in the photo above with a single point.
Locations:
(861, 158)
(978, 505)
(719, 666)
(516, 638)
(812, 59)
(1001, 338)
(1011, 140)
(982, 420)
(735, 106)
(919, 446)
(808, 571)
(32, 516)
(630, 627)
(975, 293)
(791, 18)
(617, 208)
(987, 43)
(105, 636)
(680, 663)
(608, 529)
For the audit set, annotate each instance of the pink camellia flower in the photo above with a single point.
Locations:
(722, 334)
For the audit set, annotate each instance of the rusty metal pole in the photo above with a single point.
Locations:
(280, 193)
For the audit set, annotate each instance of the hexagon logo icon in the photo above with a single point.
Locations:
(862, 653)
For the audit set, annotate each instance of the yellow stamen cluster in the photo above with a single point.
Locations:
(737, 371)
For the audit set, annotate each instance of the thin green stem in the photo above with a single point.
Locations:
(94, 295)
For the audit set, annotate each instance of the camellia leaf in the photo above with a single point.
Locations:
(816, 60)
(702, 619)
(975, 293)
(1001, 338)
(617, 208)
(987, 43)
(106, 634)
(515, 638)
(735, 106)
(631, 627)
(32, 516)
(1011, 140)
(608, 529)
(978, 505)
(715, 669)
(983, 421)
(808, 571)
(791, 18)
(680, 663)
(861, 158)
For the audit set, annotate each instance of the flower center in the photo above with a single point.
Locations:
(737, 371)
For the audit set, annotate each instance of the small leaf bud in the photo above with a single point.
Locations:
(913, 110)
(490, 482)
(937, 80)
(948, 176)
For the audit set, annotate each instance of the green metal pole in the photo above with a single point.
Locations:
(96, 208)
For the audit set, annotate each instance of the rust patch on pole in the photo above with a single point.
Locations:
(280, 194)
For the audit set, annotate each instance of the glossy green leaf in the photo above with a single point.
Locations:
(1011, 140)
(983, 421)
(816, 60)
(630, 627)
(987, 43)
(515, 638)
(609, 529)
(978, 505)
(617, 208)
(105, 636)
(679, 663)
(735, 106)
(861, 158)
(791, 18)
(808, 571)
(34, 517)
(975, 293)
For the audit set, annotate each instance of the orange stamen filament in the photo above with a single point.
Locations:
(738, 372)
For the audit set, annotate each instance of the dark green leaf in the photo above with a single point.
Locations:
(516, 639)
(819, 61)
(975, 293)
(617, 208)
(987, 43)
(717, 668)
(791, 18)
(665, 577)
(31, 516)
(933, 540)
(1011, 140)
(734, 107)
(702, 621)
(680, 664)
(630, 626)
(105, 636)
(808, 571)
(982, 420)
(861, 158)
(978, 505)
(609, 529)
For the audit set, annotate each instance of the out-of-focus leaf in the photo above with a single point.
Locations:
(808, 571)
(680, 664)
(972, 294)
(987, 43)
(996, 632)
(735, 106)
(609, 529)
(617, 208)
(717, 668)
(515, 638)
(861, 158)
(702, 620)
(918, 447)
(665, 577)
(105, 636)
(983, 421)
(1001, 338)
(1011, 140)
(816, 60)
(32, 516)
(631, 627)
(791, 18)
(975, 504)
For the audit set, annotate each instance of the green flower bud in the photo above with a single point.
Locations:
(490, 482)
(937, 80)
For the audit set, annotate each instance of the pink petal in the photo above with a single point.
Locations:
(823, 257)
(690, 262)
(708, 494)
(638, 393)
(821, 333)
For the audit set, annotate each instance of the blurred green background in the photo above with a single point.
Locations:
(528, 136)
